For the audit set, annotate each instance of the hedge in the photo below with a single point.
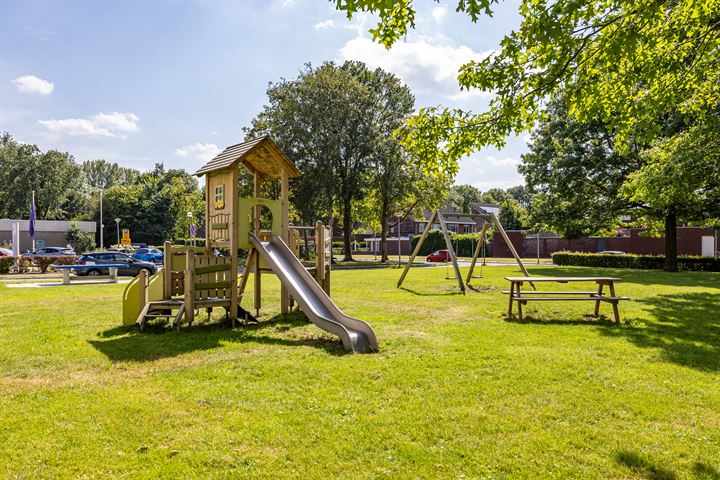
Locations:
(646, 262)
(6, 263)
(462, 243)
(199, 242)
(41, 263)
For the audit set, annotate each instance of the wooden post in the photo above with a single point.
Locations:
(320, 253)
(477, 252)
(284, 197)
(167, 270)
(257, 184)
(453, 255)
(209, 196)
(511, 247)
(142, 283)
(427, 229)
(189, 284)
(234, 224)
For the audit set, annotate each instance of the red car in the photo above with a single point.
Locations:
(4, 252)
(439, 256)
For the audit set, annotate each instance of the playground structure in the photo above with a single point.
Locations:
(197, 278)
(488, 219)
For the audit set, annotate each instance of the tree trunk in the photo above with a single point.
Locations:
(347, 229)
(671, 241)
(383, 233)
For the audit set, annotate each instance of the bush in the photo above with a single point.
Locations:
(463, 244)
(80, 241)
(6, 263)
(646, 262)
(43, 262)
(65, 260)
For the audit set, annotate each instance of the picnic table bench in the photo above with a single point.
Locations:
(516, 295)
(112, 269)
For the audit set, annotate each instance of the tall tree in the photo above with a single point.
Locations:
(333, 121)
(628, 62)
(461, 196)
(52, 175)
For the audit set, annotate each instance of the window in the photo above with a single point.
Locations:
(453, 228)
(219, 197)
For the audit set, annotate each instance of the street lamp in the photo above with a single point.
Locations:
(117, 222)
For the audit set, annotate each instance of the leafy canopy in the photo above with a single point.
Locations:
(626, 61)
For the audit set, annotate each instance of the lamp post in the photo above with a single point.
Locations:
(192, 237)
(117, 222)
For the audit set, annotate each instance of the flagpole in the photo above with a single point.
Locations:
(101, 223)
(33, 220)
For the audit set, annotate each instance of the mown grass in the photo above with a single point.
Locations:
(457, 391)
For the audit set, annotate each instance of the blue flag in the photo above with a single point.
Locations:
(32, 218)
(192, 231)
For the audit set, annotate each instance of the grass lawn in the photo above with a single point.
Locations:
(457, 391)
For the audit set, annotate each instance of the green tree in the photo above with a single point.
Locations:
(79, 240)
(53, 176)
(461, 196)
(333, 121)
(575, 174)
(627, 62)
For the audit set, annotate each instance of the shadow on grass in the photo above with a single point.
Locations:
(641, 277)
(127, 344)
(434, 294)
(601, 321)
(644, 466)
(685, 328)
(703, 470)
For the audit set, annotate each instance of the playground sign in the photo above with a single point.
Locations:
(125, 237)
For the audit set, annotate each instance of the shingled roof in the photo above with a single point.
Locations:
(255, 154)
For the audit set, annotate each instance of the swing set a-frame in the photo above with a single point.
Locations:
(488, 219)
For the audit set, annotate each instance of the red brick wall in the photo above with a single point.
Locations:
(689, 243)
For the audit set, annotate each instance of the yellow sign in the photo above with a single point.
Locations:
(126, 237)
(125, 241)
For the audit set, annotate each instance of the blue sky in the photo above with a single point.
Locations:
(144, 82)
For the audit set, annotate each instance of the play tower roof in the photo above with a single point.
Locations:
(260, 155)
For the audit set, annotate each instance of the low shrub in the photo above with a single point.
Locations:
(6, 263)
(199, 242)
(630, 260)
(64, 260)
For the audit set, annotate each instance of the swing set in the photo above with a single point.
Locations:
(487, 219)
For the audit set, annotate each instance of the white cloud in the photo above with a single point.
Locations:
(287, 3)
(438, 13)
(426, 67)
(503, 162)
(325, 25)
(33, 84)
(113, 124)
(203, 152)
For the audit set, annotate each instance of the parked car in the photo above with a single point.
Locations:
(439, 256)
(127, 249)
(612, 252)
(149, 254)
(139, 245)
(132, 266)
(4, 252)
(50, 252)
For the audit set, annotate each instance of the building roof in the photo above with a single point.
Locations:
(481, 207)
(257, 155)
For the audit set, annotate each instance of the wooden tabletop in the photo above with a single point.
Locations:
(562, 279)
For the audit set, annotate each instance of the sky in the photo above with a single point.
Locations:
(139, 83)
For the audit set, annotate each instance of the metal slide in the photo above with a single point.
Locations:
(356, 335)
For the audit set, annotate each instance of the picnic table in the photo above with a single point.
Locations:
(598, 295)
(112, 269)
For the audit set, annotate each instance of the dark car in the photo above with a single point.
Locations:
(439, 256)
(50, 252)
(149, 255)
(131, 266)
